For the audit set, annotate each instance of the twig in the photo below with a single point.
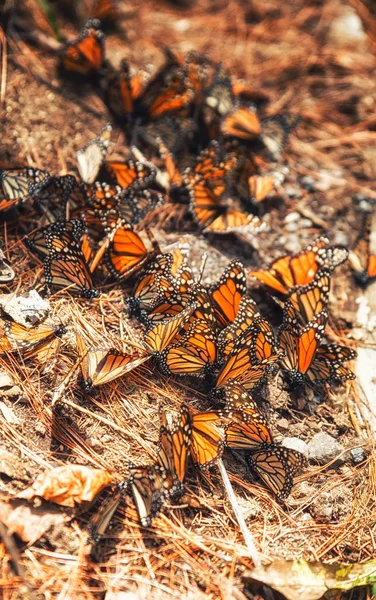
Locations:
(248, 538)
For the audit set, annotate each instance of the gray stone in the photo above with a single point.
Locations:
(308, 183)
(357, 455)
(292, 217)
(324, 448)
(296, 444)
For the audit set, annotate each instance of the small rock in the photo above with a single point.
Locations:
(293, 192)
(292, 217)
(283, 424)
(182, 25)
(365, 206)
(295, 444)
(26, 310)
(346, 29)
(292, 227)
(40, 428)
(357, 455)
(324, 448)
(308, 183)
(96, 445)
(292, 244)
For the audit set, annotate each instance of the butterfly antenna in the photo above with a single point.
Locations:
(248, 537)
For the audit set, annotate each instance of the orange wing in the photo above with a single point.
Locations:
(227, 293)
(242, 123)
(85, 55)
(127, 253)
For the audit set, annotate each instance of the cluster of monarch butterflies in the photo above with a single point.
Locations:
(185, 106)
(192, 329)
(212, 332)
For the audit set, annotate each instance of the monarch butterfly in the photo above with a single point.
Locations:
(168, 306)
(327, 365)
(227, 293)
(129, 173)
(212, 167)
(199, 71)
(304, 302)
(174, 302)
(173, 451)
(69, 272)
(275, 131)
(246, 315)
(18, 337)
(194, 354)
(165, 92)
(120, 91)
(174, 177)
(91, 156)
(110, 206)
(102, 517)
(150, 287)
(363, 256)
(102, 365)
(85, 55)
(219, 95)
(151, 485)
(248, 435)
(300, 347)
(149, 488)
(62, 237)
(245, 93)
(15, 183)
(276, 466)
(240, 406)
(44, 352)
(260, 186)
(162, 334)
(214, 217)
(127, 253)
(251, 356)
(206, 439)
(51, 196)
(242, 122)
(300, 269)
(102, 208)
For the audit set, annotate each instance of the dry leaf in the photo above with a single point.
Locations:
(297, 579)
(29, 522)
(68, 485)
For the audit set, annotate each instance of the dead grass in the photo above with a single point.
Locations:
(193, 550)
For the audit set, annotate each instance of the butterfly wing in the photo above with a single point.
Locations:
(242, 123)
(206, 439)
(277, 466)
(91, 156)
(304, 302)
(194, 354)
(227, 293)
(161, 335)
(127, 253)
(70, 273)
(85, 55)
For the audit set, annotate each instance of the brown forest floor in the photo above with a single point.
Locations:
(292, 52)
